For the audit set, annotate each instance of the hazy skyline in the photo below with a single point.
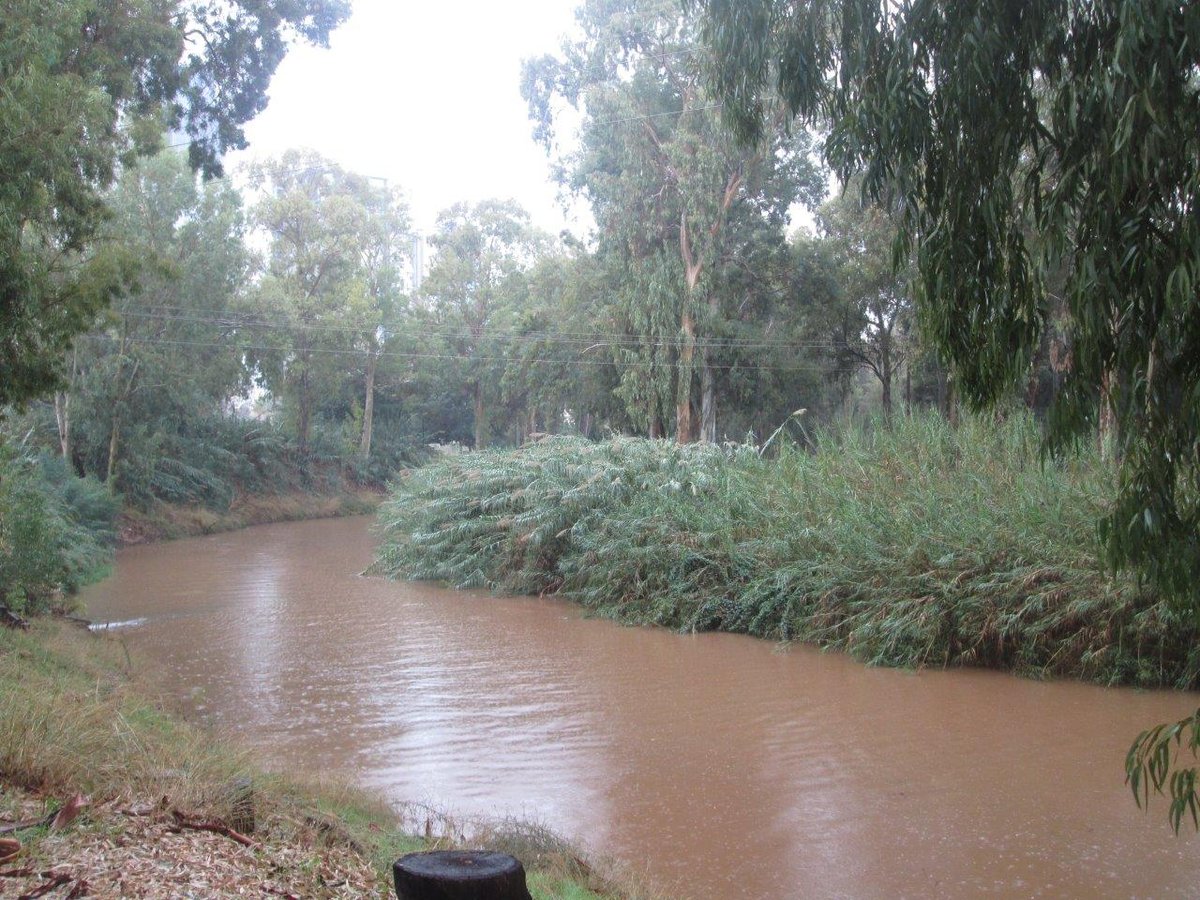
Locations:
(426, 96)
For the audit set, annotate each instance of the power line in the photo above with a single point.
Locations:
(670, 112)
(459, 357)
(588, 340)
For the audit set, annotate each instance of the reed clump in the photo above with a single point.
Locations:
(916, 545)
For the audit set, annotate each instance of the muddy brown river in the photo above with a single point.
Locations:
(722, 766)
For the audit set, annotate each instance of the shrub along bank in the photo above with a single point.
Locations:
(919, 545)
(58, 530)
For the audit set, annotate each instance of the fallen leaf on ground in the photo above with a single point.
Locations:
(69, 813)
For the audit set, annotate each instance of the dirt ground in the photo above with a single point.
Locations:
(126, 848)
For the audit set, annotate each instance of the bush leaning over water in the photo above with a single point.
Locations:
(56, 530)
(917, 545)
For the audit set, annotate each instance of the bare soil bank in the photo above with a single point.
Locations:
(168, 521)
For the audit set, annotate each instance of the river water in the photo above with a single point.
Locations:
(722, 766)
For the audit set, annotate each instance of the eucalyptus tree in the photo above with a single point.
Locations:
(161, 355)
(88, 86)
(384, 253)
(559, 374)
(669, 189)
(872, 325)
(475, 289)
(1024, 142)
(1020, 140)
(331, 286)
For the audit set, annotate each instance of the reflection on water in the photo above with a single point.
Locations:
(723, 765)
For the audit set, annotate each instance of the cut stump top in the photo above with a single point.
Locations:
(459, 875)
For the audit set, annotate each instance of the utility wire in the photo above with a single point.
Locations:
(585, 339)
(459, 357)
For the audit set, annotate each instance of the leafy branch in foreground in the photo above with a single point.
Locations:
(1150, 765)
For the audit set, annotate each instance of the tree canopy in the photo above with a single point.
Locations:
(90, 85)
(1039, 151)
(475, 289)
(682, 208)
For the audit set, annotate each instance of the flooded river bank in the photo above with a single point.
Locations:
(722, 765)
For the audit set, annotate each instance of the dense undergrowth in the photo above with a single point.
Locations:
(919, 545)
(58, 529)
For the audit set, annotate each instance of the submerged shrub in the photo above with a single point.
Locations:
(917, 545)
(56, 531)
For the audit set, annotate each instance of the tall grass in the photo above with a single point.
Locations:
(919, 545)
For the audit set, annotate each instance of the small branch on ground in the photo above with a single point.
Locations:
(12, 620)
(55, 881)
(10, 827)
(182, 821)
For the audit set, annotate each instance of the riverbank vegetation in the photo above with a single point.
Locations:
(919, 544)
(200, 354)
(109, 785)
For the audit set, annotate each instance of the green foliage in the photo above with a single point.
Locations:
(331, 294)
(1047, 159)
(56, 531)
(1152, 764)
(919, 545)
(1035, 149)
(870, 320)
(690, 223)
(90, 85)
(476, 288)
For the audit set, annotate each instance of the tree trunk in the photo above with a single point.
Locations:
(885, 375)
(708, 401)
(480, 421)
(1106, 433)
(62, 413)
(683, 391)
(369, 407)
(302, 411)
(708, 381)
(908, 384)
(62, 409)
(112, 451)
(951, 411)
(121, 397)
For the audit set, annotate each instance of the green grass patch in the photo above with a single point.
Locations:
(918, 545)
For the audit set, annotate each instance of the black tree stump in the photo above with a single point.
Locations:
(459, 875)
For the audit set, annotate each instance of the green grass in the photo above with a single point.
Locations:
(920, 545)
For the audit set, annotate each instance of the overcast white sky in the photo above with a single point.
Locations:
(426, 95)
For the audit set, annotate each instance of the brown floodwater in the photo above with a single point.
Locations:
(722, 766)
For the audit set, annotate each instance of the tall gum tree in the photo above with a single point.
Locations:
(1026, 141)
(161, 352)
(873, 321)
(667, 184)
(330, 289)
(88, 87)
(474, 290)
